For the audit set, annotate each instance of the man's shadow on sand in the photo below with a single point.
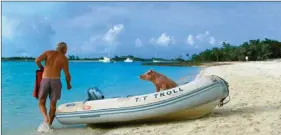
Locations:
(217, 113)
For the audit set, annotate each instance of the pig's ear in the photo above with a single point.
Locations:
(152, 72)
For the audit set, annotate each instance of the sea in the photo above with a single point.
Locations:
(20, 112)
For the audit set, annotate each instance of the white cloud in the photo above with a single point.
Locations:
(138, 43)
(8, 27)
(163, 40)
(20, 33)
(98, 42)
(190, 39)
(212, 40)
(201, 38)
(111, 35)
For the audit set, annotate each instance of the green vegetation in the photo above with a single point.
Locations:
(254, 50)
(115, 58)
(18, 58)
(77, 58)
(173, 63)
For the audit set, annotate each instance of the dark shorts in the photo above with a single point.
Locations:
(51, 87)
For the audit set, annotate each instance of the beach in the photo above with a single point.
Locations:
(255, 106)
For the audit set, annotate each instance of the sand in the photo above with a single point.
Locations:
(254, 109)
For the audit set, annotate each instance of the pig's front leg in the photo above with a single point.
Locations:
(164, 86)
(157, 88)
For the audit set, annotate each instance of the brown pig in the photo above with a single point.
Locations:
(160, 81)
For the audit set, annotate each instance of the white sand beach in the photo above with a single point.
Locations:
(254, 109)
(255, 106)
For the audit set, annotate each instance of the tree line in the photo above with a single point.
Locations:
(253, 49)
(116, 58)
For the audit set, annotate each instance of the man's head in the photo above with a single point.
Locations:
(62, 47)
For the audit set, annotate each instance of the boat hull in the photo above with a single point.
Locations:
(191, 100)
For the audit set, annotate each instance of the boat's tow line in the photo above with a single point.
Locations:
(223, 103)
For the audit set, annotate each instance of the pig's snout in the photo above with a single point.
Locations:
(141, 76)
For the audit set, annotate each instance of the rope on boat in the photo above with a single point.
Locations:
(223, 103)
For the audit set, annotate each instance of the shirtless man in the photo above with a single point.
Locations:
(55, 61)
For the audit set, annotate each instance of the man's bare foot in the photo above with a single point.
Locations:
(45, 127)
(46, 120)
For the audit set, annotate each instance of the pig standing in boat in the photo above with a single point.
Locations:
(160, 81)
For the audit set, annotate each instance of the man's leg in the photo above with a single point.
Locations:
(52, 112)
(43, 92)
(54, 96)
(43, 109)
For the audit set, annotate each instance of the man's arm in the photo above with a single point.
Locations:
(66, 72)
(39, 59)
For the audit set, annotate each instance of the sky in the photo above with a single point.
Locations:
(142, 29)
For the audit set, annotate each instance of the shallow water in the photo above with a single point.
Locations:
(20, 113)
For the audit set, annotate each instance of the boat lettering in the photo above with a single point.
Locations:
(137, 99)
(160, 94)
(180, 89)
(144, 98)
(141, 98)
(155, 95)
(169, 92)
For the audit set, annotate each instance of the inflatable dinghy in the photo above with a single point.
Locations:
(191, 100)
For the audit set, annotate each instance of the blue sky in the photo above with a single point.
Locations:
(170, 29)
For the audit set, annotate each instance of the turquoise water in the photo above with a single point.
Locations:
(20, 113)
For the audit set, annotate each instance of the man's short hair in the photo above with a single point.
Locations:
(61, 45)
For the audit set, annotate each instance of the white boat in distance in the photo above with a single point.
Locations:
(156, 61)
(128, 60)
(189, 101)
(105, 60)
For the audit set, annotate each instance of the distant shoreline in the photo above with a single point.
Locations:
(176, 64)
(188, 64)
(171, 64)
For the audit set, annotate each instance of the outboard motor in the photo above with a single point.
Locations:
(94, 94)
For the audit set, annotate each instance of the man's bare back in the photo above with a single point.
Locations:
(54, 63)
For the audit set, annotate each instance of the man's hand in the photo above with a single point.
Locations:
(67, 74)
(69, 86)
